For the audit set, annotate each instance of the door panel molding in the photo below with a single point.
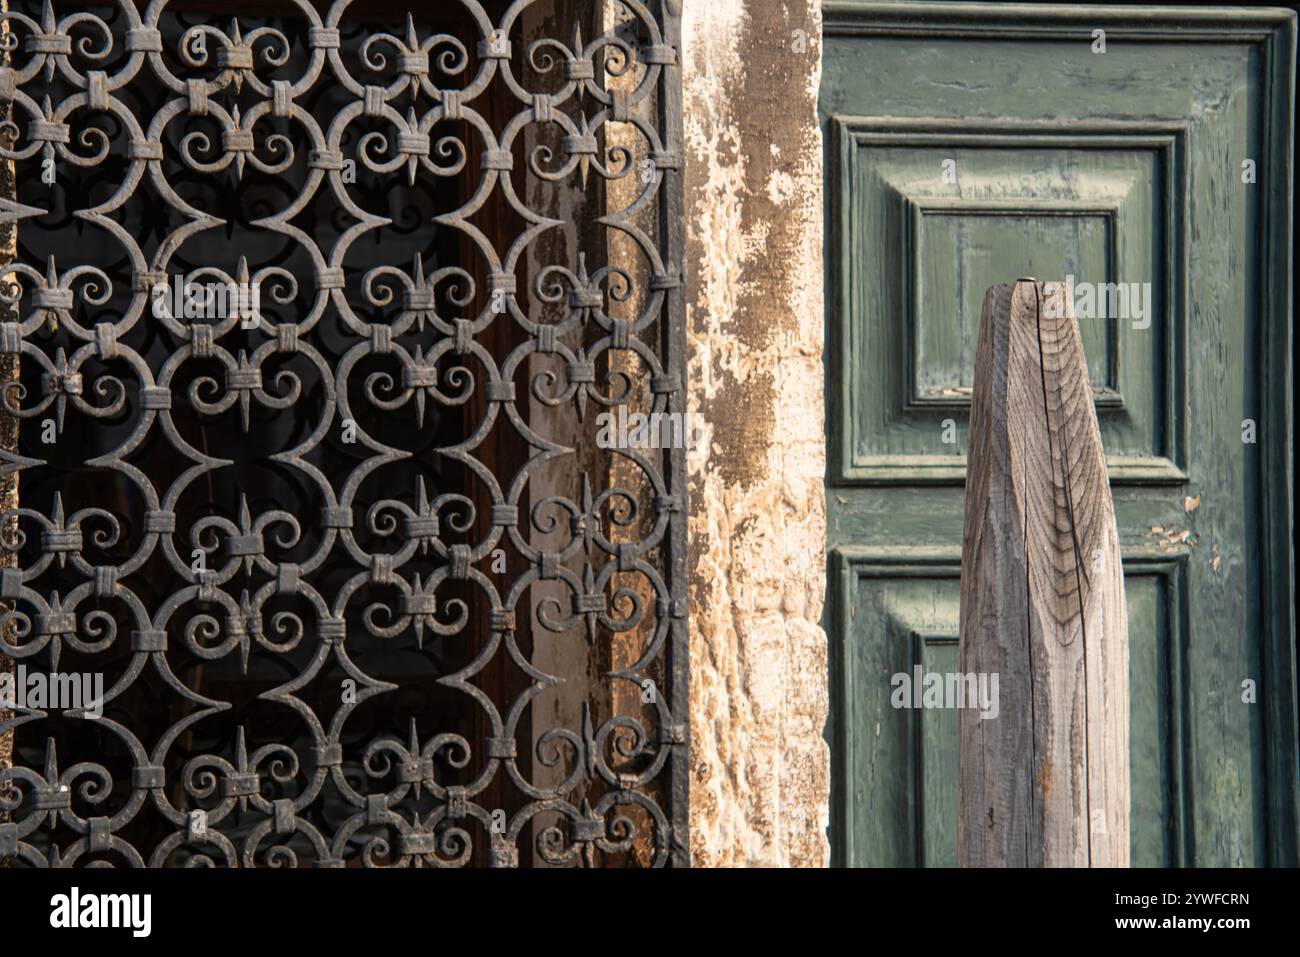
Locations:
(907, 808)
(849, 304)
(1066, 21)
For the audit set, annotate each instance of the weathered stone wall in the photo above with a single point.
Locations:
(759, 762)
(760, 766)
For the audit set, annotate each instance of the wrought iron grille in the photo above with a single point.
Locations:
(363, 586)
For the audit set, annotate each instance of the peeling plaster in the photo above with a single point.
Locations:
(759, 763)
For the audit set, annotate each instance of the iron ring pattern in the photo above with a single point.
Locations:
(400, 811)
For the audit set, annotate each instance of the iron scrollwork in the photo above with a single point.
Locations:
(178, 579)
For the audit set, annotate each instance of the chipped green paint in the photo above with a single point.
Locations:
(1121, 166)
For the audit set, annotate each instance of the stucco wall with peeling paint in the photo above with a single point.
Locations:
(759, 762)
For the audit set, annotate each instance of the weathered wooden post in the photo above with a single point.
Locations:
(1046, 782)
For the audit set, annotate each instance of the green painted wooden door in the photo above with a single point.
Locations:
(975, 144)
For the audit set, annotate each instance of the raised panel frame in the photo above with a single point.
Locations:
(1167, 138)
(852, 563)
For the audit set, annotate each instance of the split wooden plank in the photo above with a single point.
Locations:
(1046, 782)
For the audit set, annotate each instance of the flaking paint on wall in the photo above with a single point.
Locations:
(759, 763)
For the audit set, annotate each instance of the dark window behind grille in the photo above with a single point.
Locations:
(348, 677)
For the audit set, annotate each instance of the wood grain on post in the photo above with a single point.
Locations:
(1045, 783)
